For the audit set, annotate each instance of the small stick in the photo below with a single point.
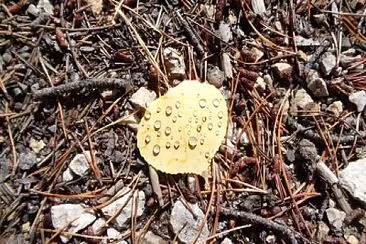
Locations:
(258, 220)
(92, 83)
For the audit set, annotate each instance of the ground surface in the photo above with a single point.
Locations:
(71, 79)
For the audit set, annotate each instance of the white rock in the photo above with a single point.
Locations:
(46, 6)
(67, 175)
(33, 10)
(226, 241)
(74, 214)
(151, 238)
(353, 179)
(185, 224)
(257, 54)
(79, 164)
(327, 63)
(352, 240)
(300, 100)
(336, 108)
(36, 146)
(113, 233)
(98, 226)
(268, 79)
(143, 97)
(335, 218)
(303, 42)
(358, 99)
(174, 63)
(260, 84)
(125, 213)
(316, 85)
(258, 6)
(226, 65)
(225, 32)
(282, 69)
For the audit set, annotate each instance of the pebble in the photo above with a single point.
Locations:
(215, 76)
(358, 99)
(125, 213)
(98, 226)
(62, 215)
(327, 63)
(353, 179)
(336, 108)
(185, 225)
(316, 85)
(174, 63)
(282, 69)
(27, 160)
(260, 84)
(151, 238)
(226, 241)
(33, 10)
(46, 6)
(36, 145)
(7, 58)
(79, 164)
(143, 97)
(335, 218)
(352, 239)
(299, 101)
(322, 231)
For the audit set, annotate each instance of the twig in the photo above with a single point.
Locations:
(258, 220)
(89, 84)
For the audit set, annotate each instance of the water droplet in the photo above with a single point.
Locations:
(158, 134)
(147, 139)
(177, 104)
(206, 155)
(168, 110)
(199, 128)
(220, 115)
(179, 129)
(196, 120)
(158, 110)
(157, 125)
(190, 120)
(156, 150)
(219, 124)
(168, 130)
(192, 142)
(202, 141)
(216, 102)
(202, 103)
(148, 127)
(217, 133)
(210, 126)
(204, 118)
(147, 115)
(180, 114)
(176, 144)
(195, 113)
(174, 119)
(167, 145)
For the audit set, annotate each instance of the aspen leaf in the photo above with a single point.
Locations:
(182, 130)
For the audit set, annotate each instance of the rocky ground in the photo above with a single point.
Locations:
(77, 75)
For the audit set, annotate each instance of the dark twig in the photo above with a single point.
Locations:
(258, 220)
(87, 84)
(312, 135)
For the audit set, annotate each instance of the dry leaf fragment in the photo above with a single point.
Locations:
(182, 130)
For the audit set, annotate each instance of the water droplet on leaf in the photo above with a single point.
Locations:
(168, 110)
(202, 103)
(156, 150)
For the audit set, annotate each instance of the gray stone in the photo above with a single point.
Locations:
(185, 225)
(316, 85)
(151, 238)
(33, 10)
(7, 58)
(300, 100)
(353, 179)
(358, 99)
(143, 97)
(260, 84)
(336, 108)
(79, 164)
(282, 69)
(225, 32)
(46, 6)
(322, 231)
(27, 160)
(73, 215)
(327, 63)
(99, 226)
(174, 63)
(335, 218)
(126, 202)
(215, 76)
